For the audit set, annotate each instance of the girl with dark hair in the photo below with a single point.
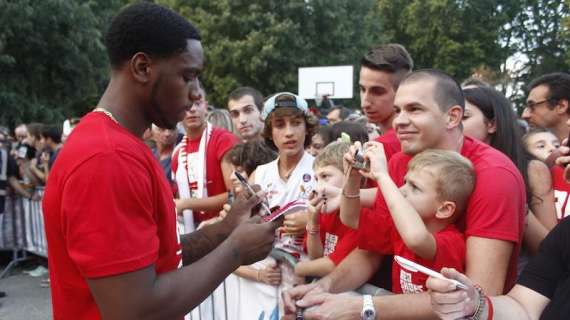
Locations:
(490, 118)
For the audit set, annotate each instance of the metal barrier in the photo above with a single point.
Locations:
(22, 229)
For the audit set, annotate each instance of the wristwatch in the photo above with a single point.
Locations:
(368, 311)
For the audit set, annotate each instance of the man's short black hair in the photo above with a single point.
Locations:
(52, 132)
(149, 28)
(558, 84)
(392, 58)
(248, 91)
(344, 112)
(447, 93)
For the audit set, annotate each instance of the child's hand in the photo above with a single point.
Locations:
(374, 152)
(270, 275)
(295, 223)
(330, 198)
(348, 160)
(314, 207)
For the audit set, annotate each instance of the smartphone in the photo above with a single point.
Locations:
(412, 266)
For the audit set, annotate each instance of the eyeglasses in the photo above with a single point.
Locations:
(531, 105)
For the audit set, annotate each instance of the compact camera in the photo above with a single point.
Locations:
(359, 162)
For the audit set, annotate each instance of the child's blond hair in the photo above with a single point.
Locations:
(332, 155)
(454, 174)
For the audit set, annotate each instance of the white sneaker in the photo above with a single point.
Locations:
(39, 271)
(33, 270)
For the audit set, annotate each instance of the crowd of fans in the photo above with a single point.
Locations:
(442, 174)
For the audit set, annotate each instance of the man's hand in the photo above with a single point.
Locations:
(253, 240)
(300, 292)
(447, 301)
(243, 207)
(327, 306)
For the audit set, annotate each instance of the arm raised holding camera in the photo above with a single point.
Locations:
(407, 220)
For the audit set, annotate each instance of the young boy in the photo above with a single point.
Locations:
(436, 190)
(328, 240)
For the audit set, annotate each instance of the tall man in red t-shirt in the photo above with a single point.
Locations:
(110, 220)
(430, 107)
(381, 70)
(199, 166)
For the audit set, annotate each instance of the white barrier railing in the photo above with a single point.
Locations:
(22, 231)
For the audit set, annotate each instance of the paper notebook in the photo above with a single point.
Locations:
(291, 207)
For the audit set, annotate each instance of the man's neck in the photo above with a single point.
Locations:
(561, 130)
(386, 125)
(122, 102)
(452, 141)
(287, 164)
(195, 133)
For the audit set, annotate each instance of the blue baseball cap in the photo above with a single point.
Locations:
(273, 102)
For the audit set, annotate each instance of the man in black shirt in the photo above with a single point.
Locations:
(542, 292)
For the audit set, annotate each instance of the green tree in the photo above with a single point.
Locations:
(453, 35)
(52, 60)
(262, 43)
(541, 37)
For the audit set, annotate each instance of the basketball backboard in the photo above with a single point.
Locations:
(334, 81)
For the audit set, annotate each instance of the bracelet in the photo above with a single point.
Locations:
(480, 306)
(258, 277)
(351, 196)
(490, 308)
(313, 229)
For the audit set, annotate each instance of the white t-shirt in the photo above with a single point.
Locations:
(280, 192)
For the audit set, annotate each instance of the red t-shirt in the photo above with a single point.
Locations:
(561, 192)
(338, 240)
(220, 142)
(495, 209)
(390, 142)
(108, 210)
(450, 253)
(391, 146)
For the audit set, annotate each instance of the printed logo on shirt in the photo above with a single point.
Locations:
(270, 192)
(407, 284)
(561, 203)
(330, 243)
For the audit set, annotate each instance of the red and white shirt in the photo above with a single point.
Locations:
(220, 142)
(561, 192)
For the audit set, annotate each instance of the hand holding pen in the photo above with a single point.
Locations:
(249, 189)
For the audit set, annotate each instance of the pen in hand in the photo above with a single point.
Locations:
(246, 185)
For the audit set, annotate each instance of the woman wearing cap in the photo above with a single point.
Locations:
(288, 130)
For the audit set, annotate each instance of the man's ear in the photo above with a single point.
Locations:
(140, 67)
(445, 210)
(454, 117)
(562, 106)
